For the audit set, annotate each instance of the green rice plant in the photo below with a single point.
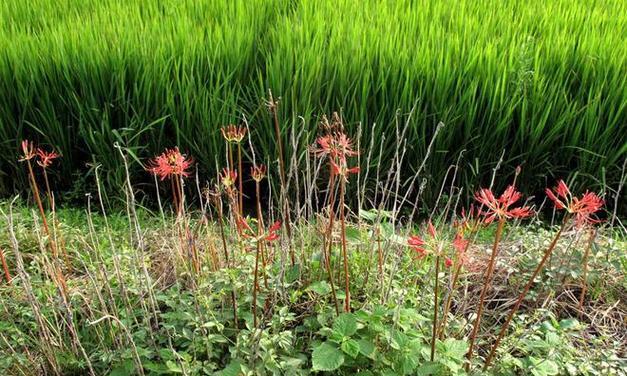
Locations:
(543, 80)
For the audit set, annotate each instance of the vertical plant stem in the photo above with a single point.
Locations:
(380, 257)
(347, 300)
(584, 282)
(327, 244)
(435, 306)
(240, 175)
(522, 295)
(260, 227)
(226, 257)
(449, 298)
(256, 283)
(283, 195)
(484, 290)
(5, 267)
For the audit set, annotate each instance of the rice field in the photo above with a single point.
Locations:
(542, 81)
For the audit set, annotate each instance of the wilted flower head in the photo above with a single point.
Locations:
(170, 163)
(582, 208)
(228, 177)
(342, 170)
(258, 172)
(467, 220)
(459, 243)
(499, 208)
(448, 262)
(28, 151)
(270, 235)
(233, 133)
(46, 158)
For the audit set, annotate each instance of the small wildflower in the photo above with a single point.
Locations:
(459, 243)
(28, 151)
(233, 133)
(336, 146)
(499, 208)
(448, 262)
(46, 158)
(582, 208)
(170, 163)
(258, 172)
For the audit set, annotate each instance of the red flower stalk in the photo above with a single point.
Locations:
(233, 133)
(46, 158)
(499, 208)
(583, 209)
(170, 163)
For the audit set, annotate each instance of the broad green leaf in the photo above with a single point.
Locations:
(351, 347)
(345, 324)
(326, 357)
(320, 287)
(366, 348)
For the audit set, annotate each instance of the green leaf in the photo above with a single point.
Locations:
(345, 324)
(429, 368)
(233, 369)
(455, 349)
(366, 348)
(351, 347)
(326, 357)
(320, 287)
(173, 367)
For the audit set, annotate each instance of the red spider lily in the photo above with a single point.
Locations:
(417, 244)
(582, 208)
(448, 262)
(233, 133)
(247, 231)
(337, 146)
(228, 177)
(46, 158)
(273, 232)
(343, 170)
(170, 163)
(499, 208)
(258, 172)
(459, 243)
(28, 151)
(431, 230)
(467, 219)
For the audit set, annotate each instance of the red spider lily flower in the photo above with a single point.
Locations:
(233, 133)
(228, 177)
(170, 163)
(342, 170)
(243, 226)
(337, 146)
(417, 244)
(499, 208)
(448, 262)
(46, 158)
(28, 151)
(273, 232)
(459, 243)
(431, 230)
(582, 208)
(467, 220)
(258, 172)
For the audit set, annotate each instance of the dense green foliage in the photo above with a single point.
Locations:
(544, 80)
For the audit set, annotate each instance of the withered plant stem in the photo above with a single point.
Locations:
(584, 281)
(435, 306)
(522, 295)
(273, 106)
(484, 290)
(347, 300)
(5, 267)
(328, 239)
